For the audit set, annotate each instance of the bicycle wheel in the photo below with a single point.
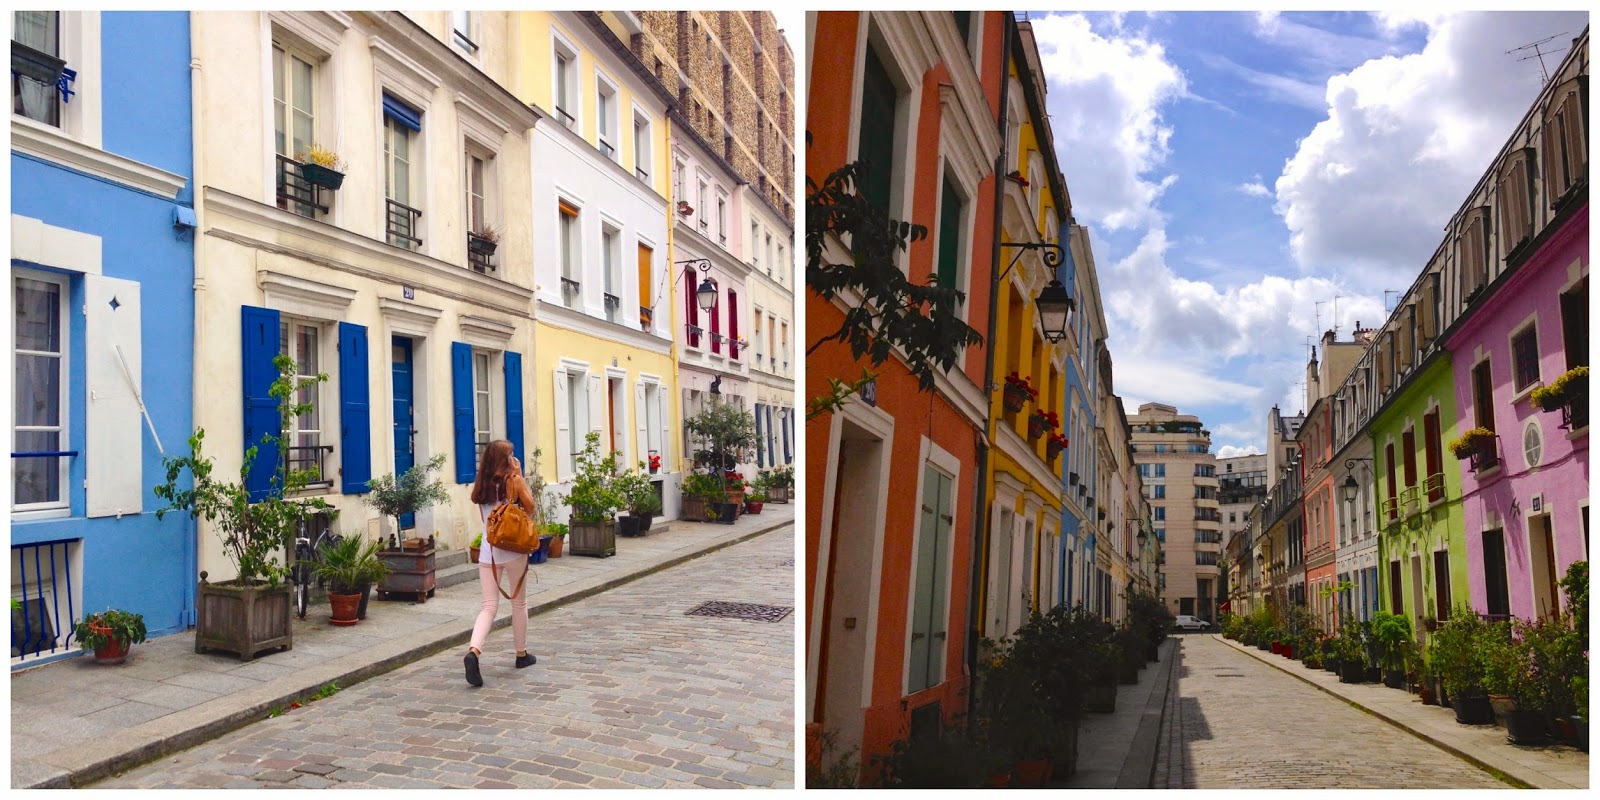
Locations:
(302, 580)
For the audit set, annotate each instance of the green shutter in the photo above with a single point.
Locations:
(949, 234)
(875, 138)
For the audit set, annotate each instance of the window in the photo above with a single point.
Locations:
(461, 33)
(36, 43)
(476, 217)
(733, 324)
(1565, 139)
(641, 145)
(1158, 492)
(39, 369)
(482, 403)
(963, 24)
(1441, 585)
(1575, 323)
(612, 265)
(566, 84)
(716, 322)
(578, 423)
(772, 339)
(653, 426)
(875, 139)
(1408, 446)
(782, 264)
(646, 270)
(400, 123)
(1515, 199)
(950, 226)
(1434, 448)
(294, 80)
(301, 341)
(677, 181)
(768, 252)
(1388, 457)
(1525, 357)
(757, 338)
(605, 115)
(755, 252)
(571, 262)
(700, 209)
(1482, 396)
(1160, 513)
(1473, 251)
(785, 344)
(722, 217)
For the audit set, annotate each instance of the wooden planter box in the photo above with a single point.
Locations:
(244, 620)
(778, 494)
(411, 572)
(598, 539)
(692, 509)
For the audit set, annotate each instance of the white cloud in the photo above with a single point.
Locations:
(1103, 99)
(1314, 45)
(1229, 451)
(1371, 187)
(1278, 88)
(1254, 188)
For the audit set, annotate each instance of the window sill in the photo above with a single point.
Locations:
(41, 514)
(1523, 394)
(1580, 433)
(48, 143)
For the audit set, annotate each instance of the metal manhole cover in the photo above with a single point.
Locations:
(751, 611)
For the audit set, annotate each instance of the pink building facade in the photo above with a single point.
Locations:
(1526, 513)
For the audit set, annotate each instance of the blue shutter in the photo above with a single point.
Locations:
(788, 429)
(401, 113)
(466, 442)
(355, 410)
(260, 345)
(514, 404)
(761, 449)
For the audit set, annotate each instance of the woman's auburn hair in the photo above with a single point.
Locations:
(490, 487)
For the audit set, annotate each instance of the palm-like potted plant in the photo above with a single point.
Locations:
(250, 613)
(347, 565)
(1392, 632)
(110, 634)
(594, 500)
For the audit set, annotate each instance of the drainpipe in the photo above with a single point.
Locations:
(980, 519)
(197, 159)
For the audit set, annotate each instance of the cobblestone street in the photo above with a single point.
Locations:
(1235, 723)
(628, 692)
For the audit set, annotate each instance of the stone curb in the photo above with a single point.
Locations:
(1139, 768)
(1496, 770)
(87, 762)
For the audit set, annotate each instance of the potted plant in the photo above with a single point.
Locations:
(780, 480)
(1570, 386)
(753, 501)
(1039, 422)
(734, 485)
(346, 565)
(699, 491)
(638, 496)
(1054, 445)
(1455, 654)
(484, 241)
(1472, 443)
(655, 462)
(321, 167)
(410, 561)
(684, 209)
(110, 634)
(557, 531)
(594, 500)
(472, 549)
(1579, 685)
(1017, 392)
(250, 613)
(1392, 633)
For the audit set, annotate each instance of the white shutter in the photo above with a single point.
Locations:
(597, 408)
(114, 431)
(641, 424)
(563, 427)
(666, 427)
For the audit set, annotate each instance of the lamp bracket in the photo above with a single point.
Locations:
(1052, 253)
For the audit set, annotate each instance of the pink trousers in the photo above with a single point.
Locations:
(489, 577)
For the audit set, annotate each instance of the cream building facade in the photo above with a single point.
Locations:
(427, 346)
(769, 249)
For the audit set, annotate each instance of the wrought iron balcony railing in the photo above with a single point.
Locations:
(571, 292)
(295, 194)
(401, 225)
(310, 457)
(613, 307)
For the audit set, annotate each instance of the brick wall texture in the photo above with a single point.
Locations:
(733, 75)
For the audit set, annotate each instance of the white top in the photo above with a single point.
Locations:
(501, 557)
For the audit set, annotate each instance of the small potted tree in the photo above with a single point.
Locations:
(1392, 633)
(251, 613)
(726, 431)
(638, 496)
(110, 634)
(700, 490)
(410, 561)
(594, 501)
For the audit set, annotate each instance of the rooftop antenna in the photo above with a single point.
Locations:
(1537, 53)
(1319, 304)
(1336, 316)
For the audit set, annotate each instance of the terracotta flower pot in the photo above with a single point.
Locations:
(114, 651)
(555, 546)
(344, 608)
(472, 555)
(1031, 774)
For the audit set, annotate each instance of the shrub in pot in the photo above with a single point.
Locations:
(754, 500)
(557, 531)
(1392, 633)
(251, 612)
(110, 634)
(1454, 655)
(396, 497)
(346, 565)
(638, 495)
(726, 431)
(594, 500)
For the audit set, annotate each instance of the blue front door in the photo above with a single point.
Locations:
(405, 429)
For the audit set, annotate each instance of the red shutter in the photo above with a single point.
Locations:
(693, 307)
(1393, 501)
(733, 324)
(716, 328)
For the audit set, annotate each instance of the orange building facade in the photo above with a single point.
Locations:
(892, 477)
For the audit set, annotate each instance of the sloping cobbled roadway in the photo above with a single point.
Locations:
(628, 693)
(1235, 723)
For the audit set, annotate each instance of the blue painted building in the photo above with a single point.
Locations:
(1078, 414)
(102, 271)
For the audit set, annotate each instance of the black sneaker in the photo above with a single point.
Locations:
(474, 677)
(526, 661)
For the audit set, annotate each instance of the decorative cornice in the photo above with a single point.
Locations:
(559, 316)
(49, 144)
(412, 317)
(303, 295)
(485, 332)
(438, 277)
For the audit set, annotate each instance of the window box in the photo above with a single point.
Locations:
(318, 175)
(481, 245)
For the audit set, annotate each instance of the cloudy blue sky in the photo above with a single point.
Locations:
(1237, 169)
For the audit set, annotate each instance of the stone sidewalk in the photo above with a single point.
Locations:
(1118, 750)
(74, 722)
(1545, 767)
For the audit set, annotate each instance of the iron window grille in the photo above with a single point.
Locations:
(305, 457)
(296, 194)
(401, 225)
(613, 307)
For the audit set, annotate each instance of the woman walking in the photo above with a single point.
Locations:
(499, 482)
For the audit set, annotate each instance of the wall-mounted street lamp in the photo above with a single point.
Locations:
(706, 295)
(1351, 488)
(1054, 305)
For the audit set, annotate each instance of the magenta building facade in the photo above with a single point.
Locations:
(1526, 516)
